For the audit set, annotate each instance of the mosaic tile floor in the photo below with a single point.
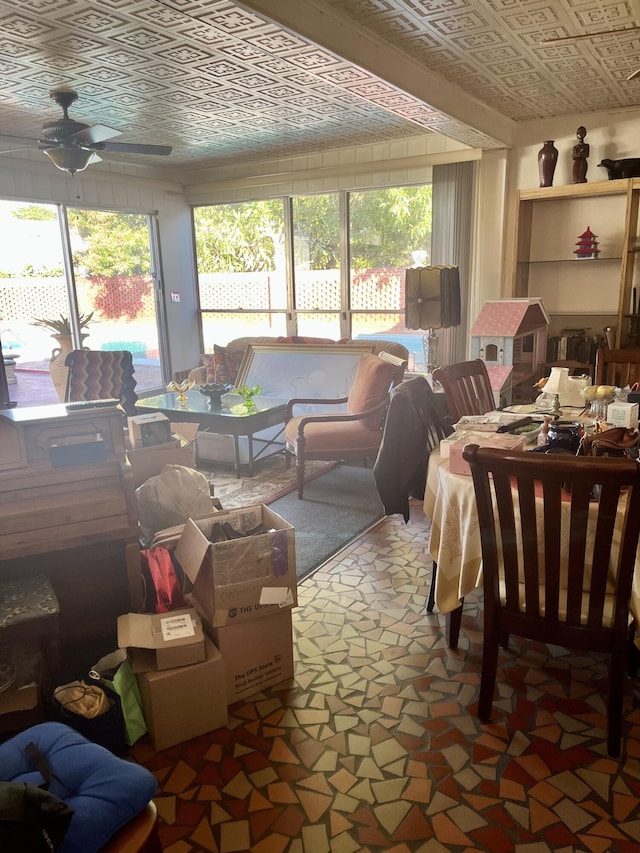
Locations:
(375, 746)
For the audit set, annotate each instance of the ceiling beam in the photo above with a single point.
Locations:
(335, 32)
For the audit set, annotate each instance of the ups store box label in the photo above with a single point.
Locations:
(257, 654)
(162, 640)
(185, 702)
(238, 580)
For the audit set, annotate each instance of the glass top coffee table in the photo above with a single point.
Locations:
(235, 420)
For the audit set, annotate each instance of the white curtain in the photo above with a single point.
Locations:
(451, 244)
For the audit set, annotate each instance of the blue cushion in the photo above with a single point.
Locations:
(105, 791)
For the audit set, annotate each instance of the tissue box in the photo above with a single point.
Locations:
(504, 441)
(623, 415)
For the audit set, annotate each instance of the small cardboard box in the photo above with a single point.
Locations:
(149, 430)
(504, 441)
(183, 703)
(147, 462)
(623, 415)
(256, 654)
(240, 579)
(162, 640)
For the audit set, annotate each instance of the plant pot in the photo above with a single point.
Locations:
(57, 369)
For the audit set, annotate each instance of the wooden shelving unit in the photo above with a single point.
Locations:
(548, 223)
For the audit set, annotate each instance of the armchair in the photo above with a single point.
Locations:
(344, 436)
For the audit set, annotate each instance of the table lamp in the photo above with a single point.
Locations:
(556, 384)
(432, 301)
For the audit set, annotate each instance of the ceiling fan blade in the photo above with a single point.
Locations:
(95, 133)
(133, 148)
(635, 74)
(561, 39)
(18, 143)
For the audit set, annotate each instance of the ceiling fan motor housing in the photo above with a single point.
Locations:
(62, 129)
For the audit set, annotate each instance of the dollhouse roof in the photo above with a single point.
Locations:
(510, 318)
(499, 376)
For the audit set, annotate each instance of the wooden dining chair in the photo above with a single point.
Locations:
(354, 434)
(559, 538)
(617, 367)
(467, 388)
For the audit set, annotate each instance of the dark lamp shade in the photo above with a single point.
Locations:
(432, 297)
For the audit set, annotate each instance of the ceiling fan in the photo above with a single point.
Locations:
(72, 145)
(582, 36)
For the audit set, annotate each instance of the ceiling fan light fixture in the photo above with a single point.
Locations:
(69, 158)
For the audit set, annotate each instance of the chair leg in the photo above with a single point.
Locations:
(300, 476)
(488, 676)
(616, 696)
(287, 458)
(432, 589)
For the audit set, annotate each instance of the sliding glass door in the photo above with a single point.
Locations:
(61, 266)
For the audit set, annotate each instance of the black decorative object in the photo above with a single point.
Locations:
(627, 168)
(580, 154)
(547, 159)
(214, 392)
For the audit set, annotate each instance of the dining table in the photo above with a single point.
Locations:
(455, 545)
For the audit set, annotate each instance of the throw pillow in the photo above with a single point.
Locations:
(206, 360)
(226, 364)
(370, 387)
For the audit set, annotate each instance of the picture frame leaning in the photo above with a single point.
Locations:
(314, 371)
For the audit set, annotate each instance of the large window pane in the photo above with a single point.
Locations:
(316, 251)
(241, 259)
(390, 230)
(112, 269)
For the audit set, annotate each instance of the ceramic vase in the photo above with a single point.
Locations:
(547, 159)
(57, 369)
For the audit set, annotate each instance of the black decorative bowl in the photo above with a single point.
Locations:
(214, 392)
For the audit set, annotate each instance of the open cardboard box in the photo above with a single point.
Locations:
(158, 641)
(148, 462)
(240, 579)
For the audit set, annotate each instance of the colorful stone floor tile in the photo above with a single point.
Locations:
(374, 745)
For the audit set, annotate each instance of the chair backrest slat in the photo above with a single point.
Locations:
(618, 367)
(467, 387)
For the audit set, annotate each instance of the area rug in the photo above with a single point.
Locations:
(270, 481)
(337, 507)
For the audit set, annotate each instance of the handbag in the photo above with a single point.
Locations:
(95, 711)
(32, 819)
(114, 672)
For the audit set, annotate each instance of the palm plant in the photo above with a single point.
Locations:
(62, 326)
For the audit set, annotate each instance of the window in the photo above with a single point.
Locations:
(349, 253)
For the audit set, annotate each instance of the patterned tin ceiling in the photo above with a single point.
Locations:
(219, 80)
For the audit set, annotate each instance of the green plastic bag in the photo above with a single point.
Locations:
(114, 671)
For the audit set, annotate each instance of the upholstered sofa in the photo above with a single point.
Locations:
(223, 363)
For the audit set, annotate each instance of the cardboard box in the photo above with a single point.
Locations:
(149, 430)
(240, 579)
(623, 415)
(504, 441)
(257, 654)
(149, 461)
(183, 703)
(162, 640)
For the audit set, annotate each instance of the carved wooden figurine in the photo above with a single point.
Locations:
(580, 154)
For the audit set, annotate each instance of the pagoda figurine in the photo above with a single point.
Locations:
(587, 246)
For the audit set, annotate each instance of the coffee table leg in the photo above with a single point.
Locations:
(236, 453)
(250, 452)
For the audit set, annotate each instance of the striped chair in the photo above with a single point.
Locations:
(100, 375)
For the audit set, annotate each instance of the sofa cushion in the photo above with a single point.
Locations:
(223, 365)
(302, 339)
(105, 792)
(370, 386)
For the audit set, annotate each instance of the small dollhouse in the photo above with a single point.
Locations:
(510, 336)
